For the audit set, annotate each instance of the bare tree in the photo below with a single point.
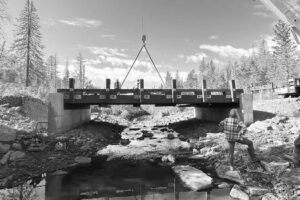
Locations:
(27, 44)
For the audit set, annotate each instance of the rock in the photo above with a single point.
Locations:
(168, 158)
(293, 177)
(184, 146)
(224, 185)
(7, 134)
(147, 134)
(257, 191)
(195, 151)
(83, 160)
(5, 158)
(125, 142)
(17, 146)
(4, 148)
(59, 173)
(283, 119)
(280, 127)
(237, 193)
(36, 148)
(225, 173)
(182, 137)
(16, 155)
(269, 196)
(171, 136)
(269, 128)
(193, 178)
(275, 167)
(60, 146)
(294, 130)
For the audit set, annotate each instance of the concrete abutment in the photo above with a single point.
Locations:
(61, 119)
(218, 114)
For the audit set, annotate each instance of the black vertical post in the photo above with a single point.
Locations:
(174, 86)
(141, 85)
(107, 84)
(204, 90)
(71, 87)
(232, 89)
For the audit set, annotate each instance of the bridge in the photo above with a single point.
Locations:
(70, 107)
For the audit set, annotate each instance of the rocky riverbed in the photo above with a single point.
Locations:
(193, 149)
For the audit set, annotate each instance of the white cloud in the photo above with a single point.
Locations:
(109, 36)
(105, 51)
(227, 51)
(82, 22)
(214, 37)
(196, 57)
(180, 56)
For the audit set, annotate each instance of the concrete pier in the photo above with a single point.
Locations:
(61, 119)
(218, 114)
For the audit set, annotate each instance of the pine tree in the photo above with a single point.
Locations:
(168, 80)
(66, 74)
(27, 44)
(80, 74)
(284, 52)
(179, 81)
(3, 17)
(191, 80)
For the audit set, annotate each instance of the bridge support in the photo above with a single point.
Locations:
(218, 114)
(62, 119)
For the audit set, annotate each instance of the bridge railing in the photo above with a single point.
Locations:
(140, 95)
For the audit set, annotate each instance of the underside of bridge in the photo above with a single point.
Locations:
(69, 108)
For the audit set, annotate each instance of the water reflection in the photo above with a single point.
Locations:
(117, 180)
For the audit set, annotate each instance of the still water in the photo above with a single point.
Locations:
(114, 180)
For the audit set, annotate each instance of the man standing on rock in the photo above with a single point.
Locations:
(234, 130)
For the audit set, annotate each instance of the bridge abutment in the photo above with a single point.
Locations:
(62, 119)
(218, 114)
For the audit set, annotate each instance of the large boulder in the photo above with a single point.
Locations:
(83, 160)
(16, 155)
(257, 191)
(4, 148)
(224, 172)
(237, 193)
(193, 178)
(7, 134)
(275, 167)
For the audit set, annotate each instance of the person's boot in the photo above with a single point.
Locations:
(252, 154)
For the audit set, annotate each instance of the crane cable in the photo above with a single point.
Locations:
(143, 47)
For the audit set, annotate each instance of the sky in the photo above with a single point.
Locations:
(179, 34)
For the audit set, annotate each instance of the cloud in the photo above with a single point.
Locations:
(214, 37)
(227, 51)
(82, 22)
(49, 22)
(109, 36)
(196, 57)
(105, 51)
(117, 58)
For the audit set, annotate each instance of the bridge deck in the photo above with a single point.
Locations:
(158, 97)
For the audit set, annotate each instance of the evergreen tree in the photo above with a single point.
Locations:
(80, 75)
(168, 80)
(191, 80)
(27, 44)
(66, 75)
(179, 80)
(284, 53)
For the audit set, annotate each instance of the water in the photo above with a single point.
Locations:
(114, 180)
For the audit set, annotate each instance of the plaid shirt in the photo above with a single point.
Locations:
(231, 127)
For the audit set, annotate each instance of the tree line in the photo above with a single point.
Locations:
(265, 65)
